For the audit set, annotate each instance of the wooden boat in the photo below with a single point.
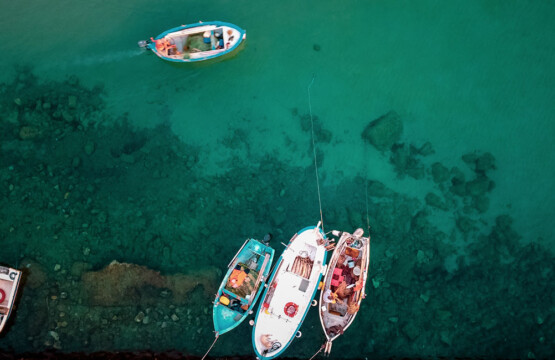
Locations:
(196, 42)
(242, 284)
(289, 293)
(344, 284)
(9, 282)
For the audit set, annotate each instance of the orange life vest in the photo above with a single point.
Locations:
(239, 276)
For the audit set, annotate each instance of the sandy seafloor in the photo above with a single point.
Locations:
(465, 76)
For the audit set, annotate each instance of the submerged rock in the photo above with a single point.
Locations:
(439, 172)
(411, 331)
(89, 147)
(36, 274)
(466, 224)
(72, 101)
(470, 158)
(480, 163)
(139, 317)
(120, 284)
(485, 162)
(480, 203)
(424, 150)
(378, 189)
(384, 131)
(405, 161)
(479, 186)
(79, 267)
(458, 186)
(29, 132)
(435, 201)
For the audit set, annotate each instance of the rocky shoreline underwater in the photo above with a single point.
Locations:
(123, 240)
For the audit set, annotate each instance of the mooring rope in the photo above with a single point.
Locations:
(314, 152)
(367, 215)
(216, 339)
(317, 352)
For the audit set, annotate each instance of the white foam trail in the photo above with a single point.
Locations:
(92, 60)
(107, 58)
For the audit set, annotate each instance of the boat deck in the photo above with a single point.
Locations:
(190, 43)
(292, 287)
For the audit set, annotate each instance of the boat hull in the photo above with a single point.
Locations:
(348, 265)
(184, 50)
(289, 293)
(257, 258)
(9, 284)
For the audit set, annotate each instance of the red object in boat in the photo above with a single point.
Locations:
(2, 295)
(291, 309)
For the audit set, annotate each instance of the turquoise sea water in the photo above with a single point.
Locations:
(170, 168)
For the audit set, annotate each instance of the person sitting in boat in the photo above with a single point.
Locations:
(342, 290)
(358, 286)
(219, 39)
(331, 297)
(238, 276)
(328, 297)
(166, 45)
(220, 44)
(353, 309)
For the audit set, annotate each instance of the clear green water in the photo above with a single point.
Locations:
(232, 161)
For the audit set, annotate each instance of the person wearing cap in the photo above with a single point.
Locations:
(328, 297)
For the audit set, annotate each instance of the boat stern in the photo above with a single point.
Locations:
(143, 44)
(9, 283)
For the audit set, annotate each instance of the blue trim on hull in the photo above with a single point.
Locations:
(262, 249)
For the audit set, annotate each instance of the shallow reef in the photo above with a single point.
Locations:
(123, 239)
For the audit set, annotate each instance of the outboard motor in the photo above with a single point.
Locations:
(267, 238)
(143, 44)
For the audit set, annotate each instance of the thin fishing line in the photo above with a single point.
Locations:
(365, 156)
(314, 152)
(367, 213)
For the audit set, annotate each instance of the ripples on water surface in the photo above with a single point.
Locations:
(113, 154)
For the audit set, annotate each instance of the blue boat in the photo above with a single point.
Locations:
(196, 42)
(242, 285)
(290, 292)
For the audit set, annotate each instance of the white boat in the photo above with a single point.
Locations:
(196, 42)
(289, 292)
(9, 282)
(344, 284)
